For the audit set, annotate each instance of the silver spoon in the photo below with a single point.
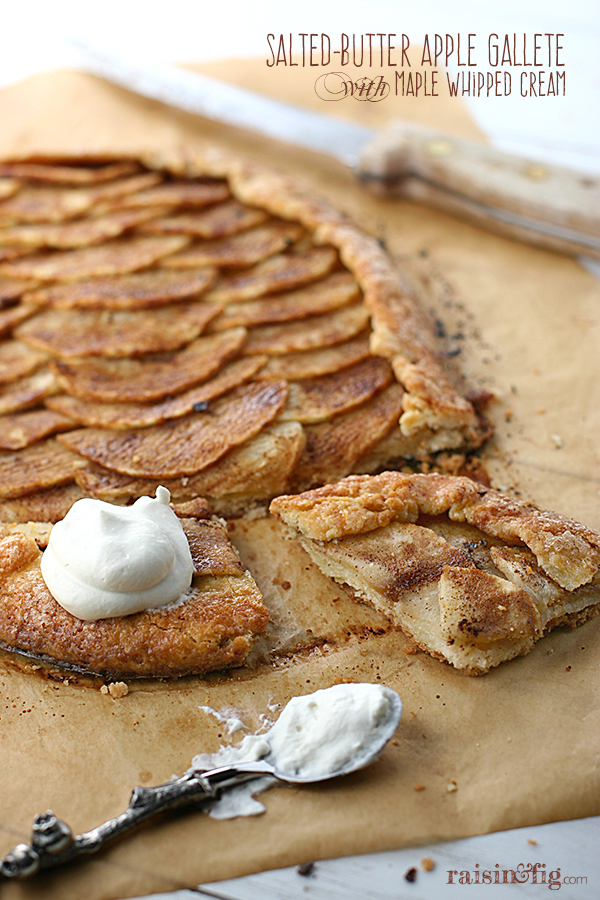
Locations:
(53, 844)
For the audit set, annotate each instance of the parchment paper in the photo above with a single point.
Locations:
(521, 743)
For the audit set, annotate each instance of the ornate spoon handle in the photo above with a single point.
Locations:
(53, 844)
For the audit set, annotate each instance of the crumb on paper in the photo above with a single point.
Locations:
(411, 875)
(451, 787)
(410, 649)
(286, 585)
(557, 441)
(306, 869)
(532, 842)
(419, 787)
(116, 689)
(508, 414)
(427, 864)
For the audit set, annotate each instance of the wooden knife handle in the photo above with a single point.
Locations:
(541, 203)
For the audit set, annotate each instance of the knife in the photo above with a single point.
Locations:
(540, 203)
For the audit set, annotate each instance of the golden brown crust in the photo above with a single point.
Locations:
(212, 554)
(214, 628)
(568, 551)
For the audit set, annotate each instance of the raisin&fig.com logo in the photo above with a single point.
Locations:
(534, 873)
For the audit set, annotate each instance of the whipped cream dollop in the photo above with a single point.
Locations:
(104, 560)
(322, 733)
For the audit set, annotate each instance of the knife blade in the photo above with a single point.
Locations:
(540, 203)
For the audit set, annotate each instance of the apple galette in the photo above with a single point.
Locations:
(207, 325)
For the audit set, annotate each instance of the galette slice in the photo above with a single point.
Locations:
(212, 626)
(474, 577)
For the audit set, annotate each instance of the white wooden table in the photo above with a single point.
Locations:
(562, 849)
(566, 131)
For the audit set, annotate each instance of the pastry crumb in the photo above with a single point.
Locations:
(428, 864)
(451, 787)
(116, 689)
(419, 787)
(286, 585)
(411, 875)
(306, 869)
(557, 441)
(532, 842)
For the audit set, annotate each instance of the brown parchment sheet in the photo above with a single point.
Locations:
(520, 744)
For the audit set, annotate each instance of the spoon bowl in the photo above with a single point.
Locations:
(365, 755)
